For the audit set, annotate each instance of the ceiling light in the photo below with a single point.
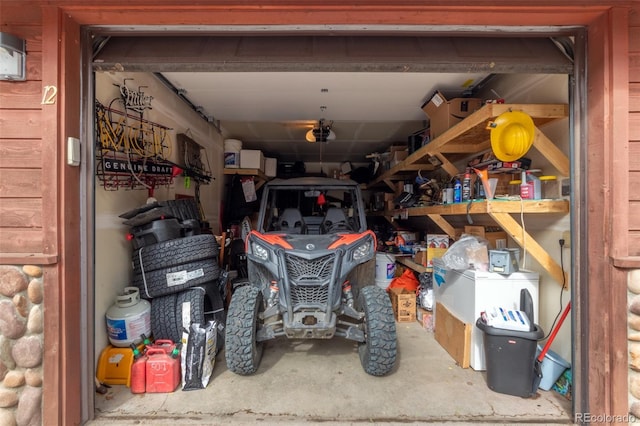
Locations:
(321, 133)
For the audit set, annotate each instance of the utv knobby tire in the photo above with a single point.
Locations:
(167, 312)
(378, 351)
(157, 283)
(242, 352)
(175, 252)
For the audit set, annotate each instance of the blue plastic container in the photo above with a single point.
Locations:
(553, 365)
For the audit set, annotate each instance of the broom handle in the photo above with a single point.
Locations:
(554, 332)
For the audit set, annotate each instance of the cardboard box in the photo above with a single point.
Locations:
(251, 159)
(397, 157)
(420, 257)
(437, 245)
(403, 303)
(444, 113)
(270, 166)
(496, 239)
(453, 334)
(425, 318)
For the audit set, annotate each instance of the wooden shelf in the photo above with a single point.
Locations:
(501, 211)
(471, 136)
(261, 178)
(409, 263)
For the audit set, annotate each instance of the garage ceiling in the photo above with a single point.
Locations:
(268, 91)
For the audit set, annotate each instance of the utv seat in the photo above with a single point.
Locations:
(334, 220)
(291, 222)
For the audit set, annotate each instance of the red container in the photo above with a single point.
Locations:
(165, 344)
(163, 371)
(138, 375)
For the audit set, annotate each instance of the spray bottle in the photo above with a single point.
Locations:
(466, 186)
(457, 191)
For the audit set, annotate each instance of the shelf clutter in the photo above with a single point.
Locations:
(486, 185)
(459, 168)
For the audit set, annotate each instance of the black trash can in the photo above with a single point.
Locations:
(510, 359)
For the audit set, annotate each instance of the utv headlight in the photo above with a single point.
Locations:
(259, 251)
(362, 251)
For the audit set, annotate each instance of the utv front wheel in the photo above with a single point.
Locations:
(378, 351)
(242, 351)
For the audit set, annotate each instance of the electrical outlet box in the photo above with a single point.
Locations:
(566, 236)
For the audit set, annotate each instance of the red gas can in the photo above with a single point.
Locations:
(163, 371)
(165, 344)
(138, 371)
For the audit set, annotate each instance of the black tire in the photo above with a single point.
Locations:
(176, 278)
(378, 351)
(175, 252)
(163, 318)
(167, 311)
(214, 310)
(242, 352)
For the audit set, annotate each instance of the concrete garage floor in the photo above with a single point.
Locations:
(302, 382)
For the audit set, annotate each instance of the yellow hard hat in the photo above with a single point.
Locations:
(512, 135)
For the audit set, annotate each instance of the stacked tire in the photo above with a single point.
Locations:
(181, 279)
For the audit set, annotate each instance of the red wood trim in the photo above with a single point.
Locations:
(54, 389)
(68, 225)
(629, 262)
(27, 259)
(618, 338)
(593, 362)
(231, 13)
(619, 139)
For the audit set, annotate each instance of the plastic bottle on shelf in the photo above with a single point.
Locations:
(526, 188)
(448, 194)
(549, 187)
(514, 187)
(466, 186)
(457, 191)
(478, 190)
(536, 186)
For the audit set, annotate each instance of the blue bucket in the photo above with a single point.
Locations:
(553, 365)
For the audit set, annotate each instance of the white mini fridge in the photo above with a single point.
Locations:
(468, 293)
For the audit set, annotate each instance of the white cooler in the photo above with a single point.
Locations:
(467, 293)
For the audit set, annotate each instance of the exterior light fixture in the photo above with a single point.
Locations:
(12, 58)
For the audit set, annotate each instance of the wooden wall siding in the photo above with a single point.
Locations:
(25, 152)
(634, 133)
(21, 158)
(22, 213)
(20, 95)
(20, 183)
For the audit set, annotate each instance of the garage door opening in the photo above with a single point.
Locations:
(325, 368)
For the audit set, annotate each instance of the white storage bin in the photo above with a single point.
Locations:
(251, 159)
(270, 166)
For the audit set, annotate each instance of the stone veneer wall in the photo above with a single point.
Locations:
(21, 345)
(633, 285)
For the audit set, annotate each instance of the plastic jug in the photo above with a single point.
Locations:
(138, 371)
(163, 371)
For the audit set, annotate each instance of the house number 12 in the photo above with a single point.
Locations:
(49, 95)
